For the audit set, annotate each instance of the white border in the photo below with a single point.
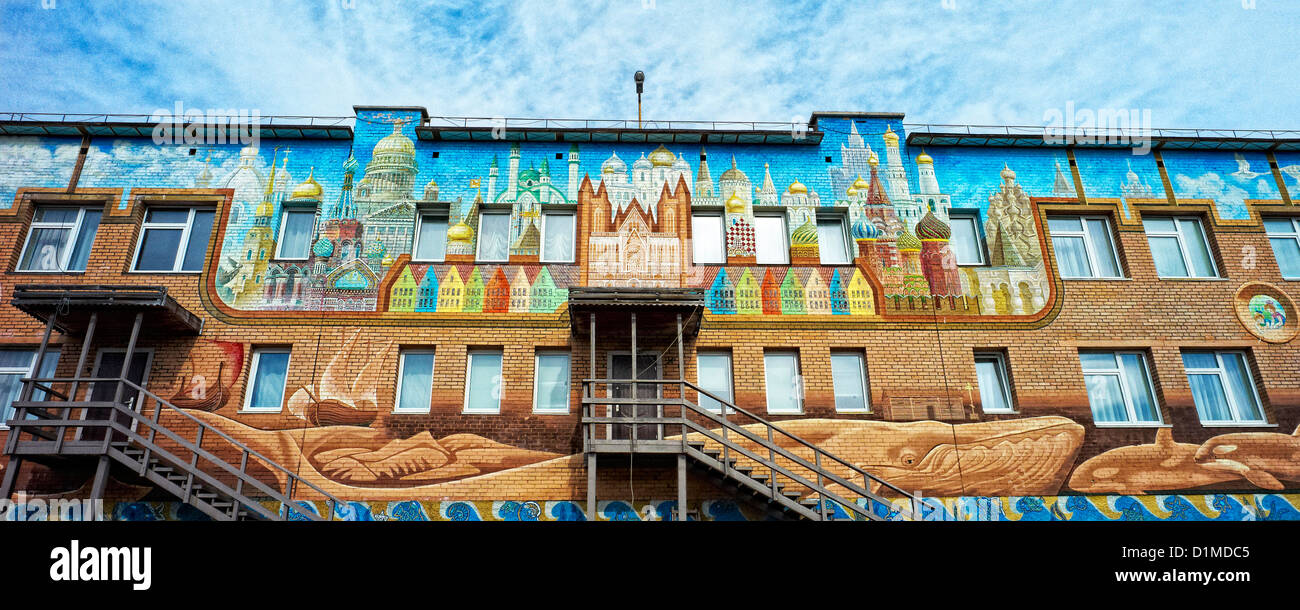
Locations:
(568, 395)
(401, 373)
(469, 361)
(252, 380)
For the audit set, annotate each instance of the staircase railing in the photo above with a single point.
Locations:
(821, 473)
(147, 440)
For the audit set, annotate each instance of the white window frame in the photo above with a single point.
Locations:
(181, 247)
(1233, 407)
(73, 235)
(847, 252)
(29, 371)
(252, 379)
(568, 398)
(798, 381)
(862, 378)
(573, 236)
(731, 376)
(401, 374)
(1086, 235)
(469, 362)
(419, 222)
(1132, 421)
(1004, 377)
(980, 249)
(1293, 235)
(279, 236)
(721, 235)
(478, 243)
(1182, 245)
(785, 239)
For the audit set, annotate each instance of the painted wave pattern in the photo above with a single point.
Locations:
(1207, 507)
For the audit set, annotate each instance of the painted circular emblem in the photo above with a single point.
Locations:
(1266, 312)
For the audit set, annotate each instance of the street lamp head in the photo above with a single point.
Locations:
(640, 81)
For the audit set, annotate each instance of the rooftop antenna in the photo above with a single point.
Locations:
(640, 86)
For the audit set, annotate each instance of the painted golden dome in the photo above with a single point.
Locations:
(735, 204)
(1007, 173)
(662, 157)
(797, 188)
(805, 234)
(924, 158)
(265, 208)
(395, 143)
(890, 136)
(860, 184)
(907, 241)
(460, 232)
(309, 189)
(873, 160)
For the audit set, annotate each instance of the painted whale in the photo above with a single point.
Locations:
(1259, 457)
(1138, 469)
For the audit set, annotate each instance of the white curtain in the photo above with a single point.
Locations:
(417, 381)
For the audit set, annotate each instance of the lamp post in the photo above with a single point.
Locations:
(640, 86)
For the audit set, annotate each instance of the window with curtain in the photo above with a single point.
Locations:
(1119, 388)
(431, 238)
(965, 241)
(59, 239)
(295, 234)
(771, 240)
(268, 373)
(707, 239)
(1284, 236)
(414, 381)
(1083, 245)
(551, 385)
(15, 364)
(557, 237)
(714, 374)
(174, 239)
(483, 382)
(1179, 247)
(1222, 387)
(849, 377)
(783, 385)
(494, 236)
(994, 382)
(832, 241)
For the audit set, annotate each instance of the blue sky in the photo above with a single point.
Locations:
(1200, 63)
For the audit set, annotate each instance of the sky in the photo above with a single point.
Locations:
(1194, 63)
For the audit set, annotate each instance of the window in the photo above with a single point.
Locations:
(783, 384)
(832, 241)
(1179, 248)
(995, 384)
(771, 240)
(295, 234)
(269, 371)
(714, 375)
(483, 383)
(1119, 388)
(494, 236)
(557, 237)
(60, 239)
(707, 239)
(1284, 235)
(15, 364)
(551, 384)
(173, 239)
(965, 241)
(1222, 388)
(1083, 246)
(431, 238)
(414, 381)
(849, 376)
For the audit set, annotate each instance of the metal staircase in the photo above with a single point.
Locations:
(758, 460)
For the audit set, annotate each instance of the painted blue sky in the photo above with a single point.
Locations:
(940, 61)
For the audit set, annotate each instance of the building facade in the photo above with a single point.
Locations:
(1070, 331)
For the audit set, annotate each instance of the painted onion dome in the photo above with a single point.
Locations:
(796, 188)
(460, 232)
(642, 163)
(350, 165)
(890, 136)
(805, 234)
(613, 165)
(387, 261)
(908, 241)
(735, 205)
(864, 229)
(733, 173)
(1007, 173)
(662, 157)
(323, 248)
(931, 227)
(873, 160)
(924, 159)
(309, 189)
(861, 184)
(375, 248)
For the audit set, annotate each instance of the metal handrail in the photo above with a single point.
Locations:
(1038, 130)
(728, 407)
